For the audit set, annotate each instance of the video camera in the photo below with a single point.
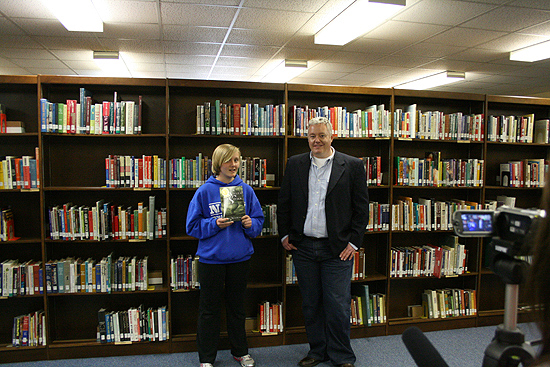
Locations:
(512, 229)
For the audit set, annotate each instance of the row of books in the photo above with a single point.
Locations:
(517, 129)
(192, 173)
(137, 324)
(523, 173)
(184, 273)
(374, 121)
(373, 169)
(220, 118)
(444, 303)
(85, 116)
(429, 260)
(358, 273)
(7, 225)
(270, 220)
(411, 123)
(270, 317)
(428, 214)
(367, 308)
(435, 171)
(20, 172)
(138, 172)
(29, 330)
(20, 279)
(379, 217)
(107, 275)
(104, 221)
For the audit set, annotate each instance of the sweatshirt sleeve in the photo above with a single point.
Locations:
(254, 211)
(198, 225)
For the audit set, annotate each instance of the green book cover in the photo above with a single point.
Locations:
(232, 202)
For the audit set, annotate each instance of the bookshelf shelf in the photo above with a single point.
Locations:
(72, 168)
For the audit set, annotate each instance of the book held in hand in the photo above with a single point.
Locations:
(232, 202)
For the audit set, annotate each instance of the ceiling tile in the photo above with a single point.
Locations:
(194, 34)
(259, 37)
(191, 48)
(254, 52)
(444, 12)
(197, 15)
(25, 9)
(124, 11)
(189, 59)
(252, 18)
(306, 6)
(69, 43)
(465, 37)
(405, 31)
(131, 31)
(508, 19)
(131, 45)
(430, 50)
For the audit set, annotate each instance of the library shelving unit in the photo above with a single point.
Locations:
(19, 96)
(491, 309)
(407, 290)
(351, 99)
(72, 170)
(75, 174)
(266, 278)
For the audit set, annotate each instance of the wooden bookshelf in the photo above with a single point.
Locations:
(72, 169)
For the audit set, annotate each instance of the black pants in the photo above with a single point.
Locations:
(219, 282)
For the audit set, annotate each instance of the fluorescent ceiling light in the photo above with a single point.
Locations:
(358, 18)
(286, 70)
(110, 63)
(106, 55)
(435, 80)
(537, 52)
(76, 15)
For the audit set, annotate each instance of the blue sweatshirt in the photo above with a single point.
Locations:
(231, 244)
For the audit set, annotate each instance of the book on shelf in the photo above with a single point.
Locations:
(270, 318)
(7, 225)
(371, 122)
(137, 324)
(232, 203)
(105, 221)
(219, 118)
(85, 116)
(29, 330)
(541, 131)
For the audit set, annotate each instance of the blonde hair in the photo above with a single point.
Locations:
(222, 154)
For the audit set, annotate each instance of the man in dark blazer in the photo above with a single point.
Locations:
(322, 216)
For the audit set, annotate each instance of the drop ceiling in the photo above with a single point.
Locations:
(242, 40)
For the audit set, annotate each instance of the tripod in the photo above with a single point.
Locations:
(508, 348)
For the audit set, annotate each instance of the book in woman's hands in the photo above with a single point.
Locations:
(232, 202)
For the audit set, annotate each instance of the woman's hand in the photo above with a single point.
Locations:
(246, 221)
(224, 222)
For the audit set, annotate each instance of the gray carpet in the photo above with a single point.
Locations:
(459, 348)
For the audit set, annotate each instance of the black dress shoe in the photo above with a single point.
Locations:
(310, 362)
(346, 365)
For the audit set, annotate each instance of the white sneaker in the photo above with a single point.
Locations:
(206, 365)
(245, 361)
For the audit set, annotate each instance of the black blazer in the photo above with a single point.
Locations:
(346, 202)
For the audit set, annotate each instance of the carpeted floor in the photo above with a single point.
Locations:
(459, 348)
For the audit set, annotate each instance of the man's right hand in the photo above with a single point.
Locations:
(287, 245)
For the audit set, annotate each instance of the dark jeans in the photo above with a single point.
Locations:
(325, 284)
(219, 282)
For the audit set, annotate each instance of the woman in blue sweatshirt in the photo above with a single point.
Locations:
(224, 252)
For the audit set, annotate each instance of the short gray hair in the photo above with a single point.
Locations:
(321, 121)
